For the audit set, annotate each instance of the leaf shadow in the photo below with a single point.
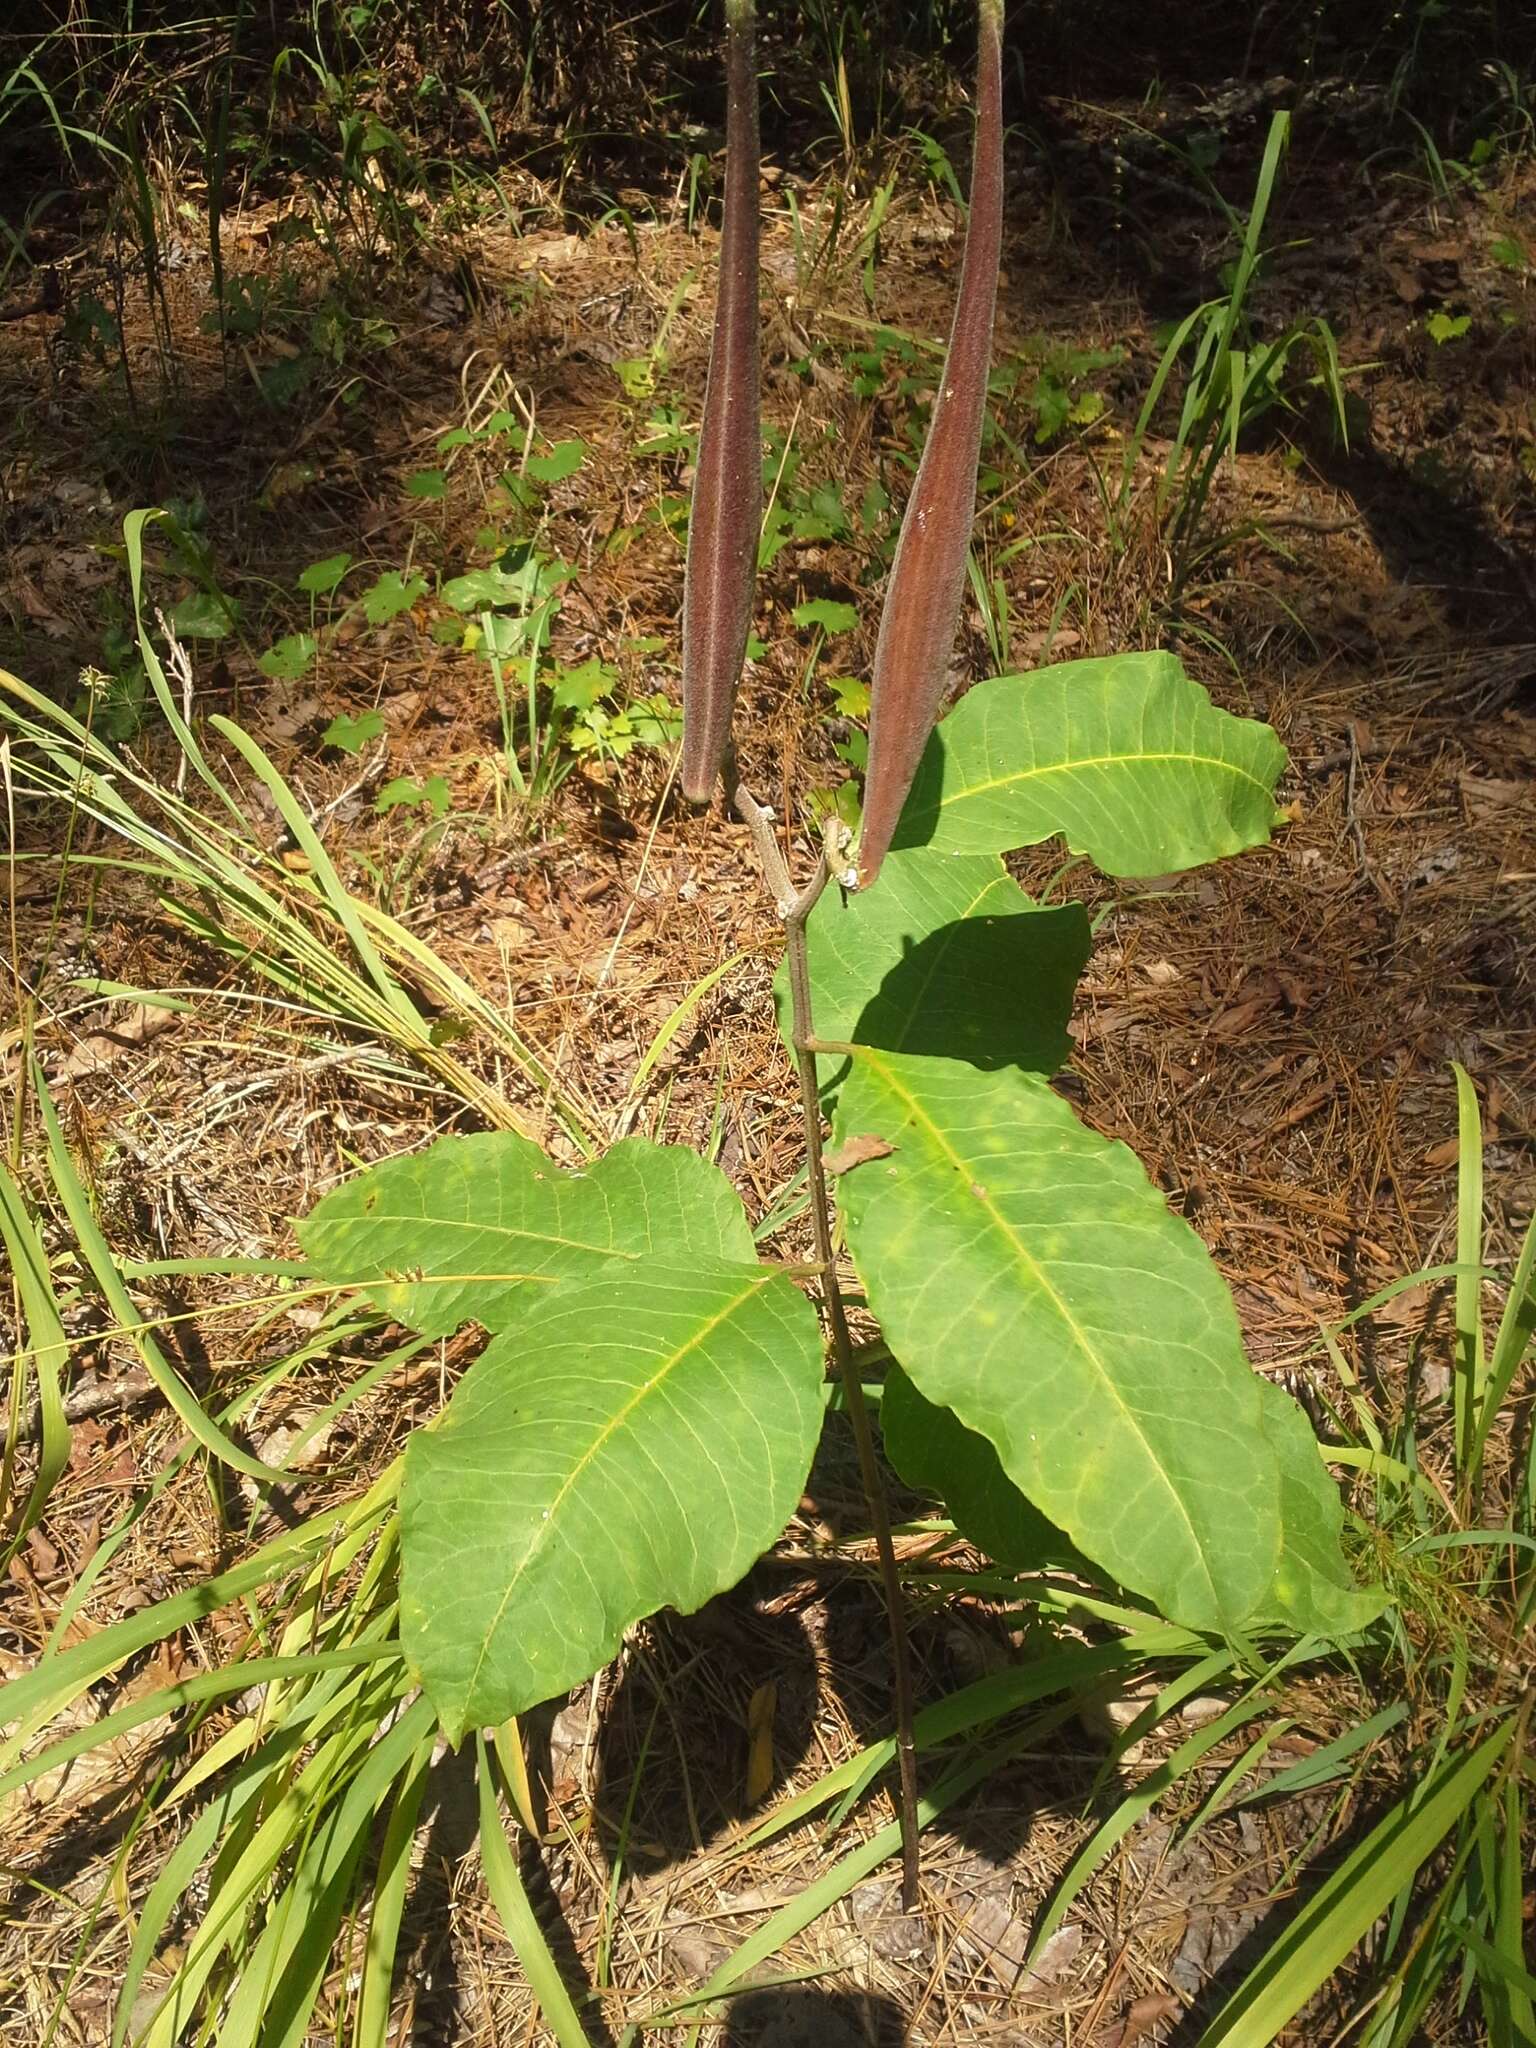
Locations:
(919, 818)
(993, 990)
(796, 2016)
(670, 1741)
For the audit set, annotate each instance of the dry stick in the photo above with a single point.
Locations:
(793, 909)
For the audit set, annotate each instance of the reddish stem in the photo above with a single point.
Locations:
(726, 517)
(917, 631)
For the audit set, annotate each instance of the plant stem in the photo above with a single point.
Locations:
(794, 909)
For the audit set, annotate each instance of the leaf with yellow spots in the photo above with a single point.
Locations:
(1031, 1279)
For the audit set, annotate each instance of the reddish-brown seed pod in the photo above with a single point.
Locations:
(727, 511)
(917, 630)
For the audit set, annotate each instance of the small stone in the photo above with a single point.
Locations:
(1204, 1708)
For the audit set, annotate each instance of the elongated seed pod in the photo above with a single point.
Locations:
(922, 607)
(728, 483)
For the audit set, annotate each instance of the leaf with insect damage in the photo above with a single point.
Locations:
(1124, 756)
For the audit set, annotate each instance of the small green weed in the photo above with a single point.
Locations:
(1231, 379)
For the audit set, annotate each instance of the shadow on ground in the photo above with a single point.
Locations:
(799, 2017)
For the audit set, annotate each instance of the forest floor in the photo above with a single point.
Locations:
(1274, 1037)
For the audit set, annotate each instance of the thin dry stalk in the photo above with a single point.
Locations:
(794, 909)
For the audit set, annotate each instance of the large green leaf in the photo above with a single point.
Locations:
(634, 1442)
(456, 1231)
(933, 1451)
(1313, 1588)
(1125, 756)
(1028, 1276)
(947, 956)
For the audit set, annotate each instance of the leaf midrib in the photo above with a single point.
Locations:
(503, 1230)
(1021, 1251)
(1079, 762)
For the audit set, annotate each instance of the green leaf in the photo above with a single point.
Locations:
(1125, 756)
(480, 589)
(563, 460)
(426, 483)
(934, 1452)
(392, 595)
(205, 615)
(505, 635)
(636, 1442)
(351, 732)
(850, 694)
(947, 956)
(1444, 327)
(637, 374)
(287, 659)
(1028, 1275)
(825, 612)
(321, 578)
(1313, 1587)
(402, 790)
(476, 1217)
(578, 689)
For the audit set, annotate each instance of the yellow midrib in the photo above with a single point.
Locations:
(1072, 767)
(1026, 1258)
(598, 1443)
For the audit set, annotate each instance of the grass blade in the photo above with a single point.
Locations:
(512, 1903)
(346, 912)
(48, 1348)
(1350, 1902)
(31, 1699)
(98, 1256)
(371, 2029)
(1470, 1364)
(1131, 1809)
(1517, 1327)
(1321, 1766)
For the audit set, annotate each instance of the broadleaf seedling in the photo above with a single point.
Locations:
(1140, 1437)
